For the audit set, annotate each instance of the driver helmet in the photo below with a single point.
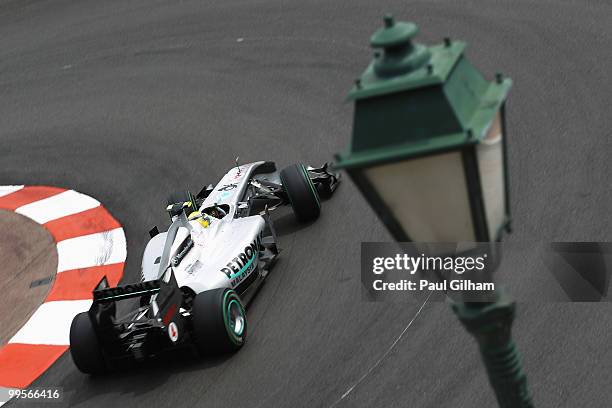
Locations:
(217, 212)
(203, 219)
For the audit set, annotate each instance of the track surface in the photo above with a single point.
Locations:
(126, 100)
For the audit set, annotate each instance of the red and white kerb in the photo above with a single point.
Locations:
(90, 245)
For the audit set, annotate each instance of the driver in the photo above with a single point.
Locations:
(217, 212)
(203, 219)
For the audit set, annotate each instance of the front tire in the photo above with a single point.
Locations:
(302, 193)
(219, 321)
(84, 345)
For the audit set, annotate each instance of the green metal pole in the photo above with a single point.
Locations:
(491, 325)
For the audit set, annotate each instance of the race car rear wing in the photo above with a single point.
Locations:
(103, 292)
(136, 332)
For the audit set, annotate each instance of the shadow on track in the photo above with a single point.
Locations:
(140, 378)
(285, 222)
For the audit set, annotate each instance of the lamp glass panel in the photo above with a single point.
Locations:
(491, 168)
(427, 196)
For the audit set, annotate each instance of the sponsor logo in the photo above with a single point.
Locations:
(243, 264)
(173, 332)
(228, 187)
(242, 276)
(126, 291)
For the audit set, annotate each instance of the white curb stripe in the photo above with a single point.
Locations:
(67, 203)
(50, 324)
(102, 248)
(6, 190)
(47, 331)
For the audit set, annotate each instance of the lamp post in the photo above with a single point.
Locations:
(428, 152)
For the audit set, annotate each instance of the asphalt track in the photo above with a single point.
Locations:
(128, 100)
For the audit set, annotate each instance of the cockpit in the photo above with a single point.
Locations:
(188, 205)
(217, 211)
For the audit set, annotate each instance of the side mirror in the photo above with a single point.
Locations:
(153, 231)
(175, 209)
(205, 192)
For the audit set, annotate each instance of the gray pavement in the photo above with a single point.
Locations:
(126, 100)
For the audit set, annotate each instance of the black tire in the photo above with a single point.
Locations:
(85, 347)
(212, 324)
(302, 193)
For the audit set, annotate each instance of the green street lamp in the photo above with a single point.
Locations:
(428, 152)
(428, 146)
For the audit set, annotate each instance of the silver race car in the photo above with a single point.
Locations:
(198, 276)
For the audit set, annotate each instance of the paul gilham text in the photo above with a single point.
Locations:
(424, 284)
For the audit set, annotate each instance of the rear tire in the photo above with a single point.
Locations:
(85, 347)
(302, 193)
(219, 321)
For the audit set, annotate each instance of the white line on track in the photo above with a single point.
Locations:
(380, 360)
(66, 203)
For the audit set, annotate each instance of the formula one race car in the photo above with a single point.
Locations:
(198, 276)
